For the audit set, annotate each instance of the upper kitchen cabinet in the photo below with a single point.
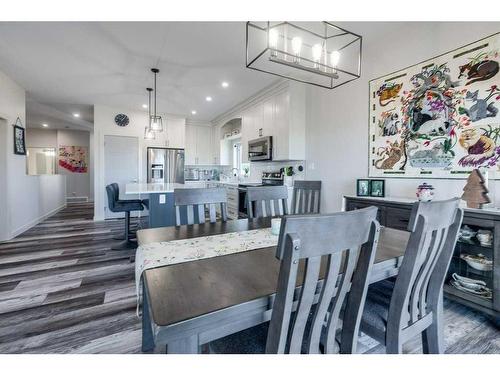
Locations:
(176, 133)
(198, 145)
(281, 114)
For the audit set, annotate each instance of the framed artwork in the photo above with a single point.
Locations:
(363, 188)
(439, 118)
(73, 158)
(19, 140)
(377, 188)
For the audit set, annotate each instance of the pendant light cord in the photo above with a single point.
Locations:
(155, 98)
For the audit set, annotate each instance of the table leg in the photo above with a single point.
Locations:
(186, 345)
(148, 344)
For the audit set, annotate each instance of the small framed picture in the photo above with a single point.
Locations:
(377, 188)
(363, 188)
(19, 141)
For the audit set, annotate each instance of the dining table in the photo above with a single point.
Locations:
(191, 303)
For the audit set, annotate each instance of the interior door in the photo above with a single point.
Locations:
(121, 165)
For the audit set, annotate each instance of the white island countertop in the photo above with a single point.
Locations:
(155, 188)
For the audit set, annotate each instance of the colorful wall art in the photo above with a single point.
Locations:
(439, 118)
(73, 158)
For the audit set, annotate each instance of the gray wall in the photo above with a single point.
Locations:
(337, 120)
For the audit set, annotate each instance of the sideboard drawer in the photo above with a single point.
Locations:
(397, 218)
(350, 206)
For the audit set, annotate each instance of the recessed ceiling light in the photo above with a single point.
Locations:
(76, 114)
(225, 84)
(45, 125)
(193, 112)
(145, 106)
(208, 98)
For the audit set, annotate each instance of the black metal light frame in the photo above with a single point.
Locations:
(343, 32)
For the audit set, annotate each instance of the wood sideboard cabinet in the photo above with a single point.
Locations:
(395, 213)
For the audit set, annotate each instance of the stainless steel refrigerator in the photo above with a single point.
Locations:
(165, 165)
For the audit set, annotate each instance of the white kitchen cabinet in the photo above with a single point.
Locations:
(282, 116)
(203, 145)
(251, 123)
(175, 133)
(280, 129)
(216, 151)
(198, 145)
(190, 153)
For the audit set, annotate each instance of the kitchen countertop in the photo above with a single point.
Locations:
(154, 188)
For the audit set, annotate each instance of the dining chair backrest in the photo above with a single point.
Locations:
(265, 201)
(195, 200)
(347, 241)
(306, 197)
(434, 228)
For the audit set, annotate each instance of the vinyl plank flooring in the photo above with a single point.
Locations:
(63, 290)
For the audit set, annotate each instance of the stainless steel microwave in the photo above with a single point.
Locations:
(260, 149)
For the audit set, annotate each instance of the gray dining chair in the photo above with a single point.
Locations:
(306, 197)
(195, 201)
(338, 249)
(265, 201)
(413, 305)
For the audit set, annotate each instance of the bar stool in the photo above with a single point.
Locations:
(117, 205)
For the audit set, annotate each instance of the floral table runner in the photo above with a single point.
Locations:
(160, 254)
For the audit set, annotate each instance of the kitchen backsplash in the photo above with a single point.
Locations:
(256, 169)
(254, 175)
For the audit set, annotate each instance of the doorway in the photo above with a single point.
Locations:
(121, 165)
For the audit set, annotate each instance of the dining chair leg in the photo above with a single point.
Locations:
(433, 336)
(393, 344)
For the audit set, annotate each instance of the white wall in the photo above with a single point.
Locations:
(41, 138)
(25, 200)
(337, 120)
(104, 125)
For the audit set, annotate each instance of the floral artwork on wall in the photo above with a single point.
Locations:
(73, 158)
(439, 118)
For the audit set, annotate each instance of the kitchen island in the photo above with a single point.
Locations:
(161, 201)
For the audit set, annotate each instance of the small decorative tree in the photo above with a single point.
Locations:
(475, 191)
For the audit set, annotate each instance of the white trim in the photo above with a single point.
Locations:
(30, 225)
(249, 102)
(77, 199)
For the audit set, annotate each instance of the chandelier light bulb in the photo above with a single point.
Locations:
(316, 53)
(334, 58)
(273, 38)
(296, 45)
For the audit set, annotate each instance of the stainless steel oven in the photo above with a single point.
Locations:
(260, 149)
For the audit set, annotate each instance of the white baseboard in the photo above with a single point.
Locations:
(31, 224)
(76, 199)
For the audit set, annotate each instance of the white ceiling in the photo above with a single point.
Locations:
(71, 66)
(109, 63)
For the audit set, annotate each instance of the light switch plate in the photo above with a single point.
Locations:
(162, 198)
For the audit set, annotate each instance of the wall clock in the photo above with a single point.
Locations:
(121, 119)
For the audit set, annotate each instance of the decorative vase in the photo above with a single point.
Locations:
(425, 192)
(288, 180)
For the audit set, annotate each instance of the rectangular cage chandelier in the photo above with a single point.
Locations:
(317, 53)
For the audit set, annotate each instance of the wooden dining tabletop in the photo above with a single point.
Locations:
(188, 304)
